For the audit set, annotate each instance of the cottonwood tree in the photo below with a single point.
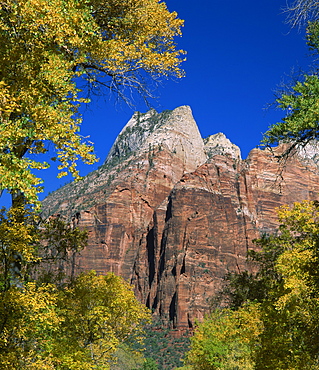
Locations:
(53, 51)
(226, 339)
(48, 50)
(77, 327)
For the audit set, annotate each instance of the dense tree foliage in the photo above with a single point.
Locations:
(280, 300)
(53, 50)
(75, 327)
(226, 340)
(163, 346)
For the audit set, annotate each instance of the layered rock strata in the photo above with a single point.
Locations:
(173, 213)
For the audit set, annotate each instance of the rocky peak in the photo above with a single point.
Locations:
(134, 134)
(176, 130)
(173, 214)
(218, 144)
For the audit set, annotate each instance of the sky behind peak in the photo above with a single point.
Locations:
(238, 53)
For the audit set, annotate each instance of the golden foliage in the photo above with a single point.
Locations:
(99, 312)
(46, 49)
(77, 327)
(28, 321)
(49, 320)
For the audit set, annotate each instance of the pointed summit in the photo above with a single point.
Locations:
(218, 144)
(176, 130)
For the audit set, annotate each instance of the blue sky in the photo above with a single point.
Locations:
(238, 52)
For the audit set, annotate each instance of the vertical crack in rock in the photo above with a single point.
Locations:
(168, 210)
(172, 310)
(183, 268)
(150, 246)
(162, 255)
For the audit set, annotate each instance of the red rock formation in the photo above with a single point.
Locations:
(172, 223)
(213, 216)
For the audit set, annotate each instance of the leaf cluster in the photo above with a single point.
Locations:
(51, 52)
(300, 103)
(162, 346)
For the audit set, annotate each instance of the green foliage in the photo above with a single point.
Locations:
(302, 107)
(300, 102)
(32, 248)
(50, 319)
(284, 293)
(161, 346)
(100, 312)
(226, 340)
(149, 364)
(126, 359)
(52, 53)
(79, 326)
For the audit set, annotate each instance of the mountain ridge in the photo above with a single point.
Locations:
(175, 216)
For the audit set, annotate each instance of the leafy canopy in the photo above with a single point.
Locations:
(50, 319)
(226, 340)
(53, 55)
(75, 327)
(53, 51)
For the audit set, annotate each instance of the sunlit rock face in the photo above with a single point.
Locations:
(219, 144)
(172, 213)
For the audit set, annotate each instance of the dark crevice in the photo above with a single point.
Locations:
(168, 210)
(162, 255)
(150, 245)
(174, 271)
(183, 269)
(172, 309)
(164, 239)
(147, 304)
(154, 305)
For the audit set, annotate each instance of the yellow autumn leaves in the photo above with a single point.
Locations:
(50, 48)
(78, 327)
(52, 54)
(50, 318)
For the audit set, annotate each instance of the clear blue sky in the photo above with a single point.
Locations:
(238, 53)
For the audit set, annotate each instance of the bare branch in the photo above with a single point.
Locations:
(300, 12)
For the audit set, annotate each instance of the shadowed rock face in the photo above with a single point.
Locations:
(173, 215)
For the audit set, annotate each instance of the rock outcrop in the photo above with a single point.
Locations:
(173, 213)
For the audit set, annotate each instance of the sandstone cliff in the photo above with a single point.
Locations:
(172, 213)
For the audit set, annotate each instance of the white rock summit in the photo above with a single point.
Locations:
(218, 144)
(176, 130)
